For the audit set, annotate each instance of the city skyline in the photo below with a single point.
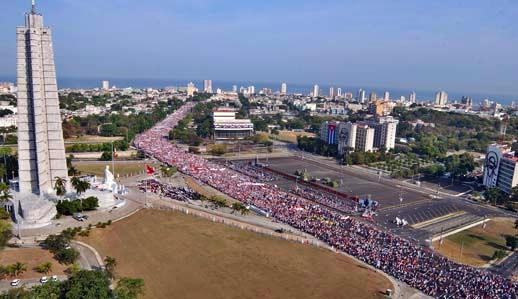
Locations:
(382, 55)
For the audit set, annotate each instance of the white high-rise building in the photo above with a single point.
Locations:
(207, 86)
(441, 98)
(234, 88)
(106, 85)
(386, 96)
(331, 92)
(284, 88)
(385, 132)
(251, 90)
(339, 92)
(316, 91)
(412, 97)
(361, 97)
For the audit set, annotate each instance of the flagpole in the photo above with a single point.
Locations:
(113, 160)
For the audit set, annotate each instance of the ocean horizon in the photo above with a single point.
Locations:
(298, 88)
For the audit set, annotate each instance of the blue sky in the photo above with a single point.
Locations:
(454, 45)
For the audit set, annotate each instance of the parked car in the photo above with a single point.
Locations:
(54, 278)
(79, 217)
(44, 279)
(15, 282)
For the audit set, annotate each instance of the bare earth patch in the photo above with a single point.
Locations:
(121, 168)
(180, 256)
(31, 257)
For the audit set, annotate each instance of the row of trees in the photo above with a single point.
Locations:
(120, 124)
(120, 145)
(82, 284)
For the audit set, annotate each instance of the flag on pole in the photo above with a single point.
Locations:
(150, 170)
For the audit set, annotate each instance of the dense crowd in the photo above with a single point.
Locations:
(416, 266)
(177, 193)
(252, 170)
(327, 199)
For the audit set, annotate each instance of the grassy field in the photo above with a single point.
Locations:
(181, 256)
(92, 139)
(31, 257)
(478, 244)
(121, 168)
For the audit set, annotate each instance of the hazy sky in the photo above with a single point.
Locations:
(458, 45)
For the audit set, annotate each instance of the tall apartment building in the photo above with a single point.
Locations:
(284, 89)
(441, 98)
(207, 86)
(385, 132)
(364, 138)
(316, 91)
(412, 97)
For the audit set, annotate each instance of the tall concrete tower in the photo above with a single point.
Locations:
(41, 150)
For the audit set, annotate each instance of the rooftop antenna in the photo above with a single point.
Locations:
(33, 7)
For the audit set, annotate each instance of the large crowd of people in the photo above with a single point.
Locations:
(417, 266)
(177, 193)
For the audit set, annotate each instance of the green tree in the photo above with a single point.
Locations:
(511, 242)
(110, 264)
(80, 185)
(18, 268)
(129, 288)
(5, 193)
(60, 186)
(67, 256)
(498, 254)
(87, 285)
(106, 156)
(495, 196)
(44, 268)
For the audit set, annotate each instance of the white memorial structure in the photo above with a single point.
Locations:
(41, 148)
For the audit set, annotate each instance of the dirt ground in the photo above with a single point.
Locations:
(181, 256)
(478, 244)
(31, 257)
(290, 136)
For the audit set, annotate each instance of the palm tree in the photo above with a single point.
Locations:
(18, 269)
(109, 265)
(44, 268)
(5, 193)
(60, 186)
(80, 185)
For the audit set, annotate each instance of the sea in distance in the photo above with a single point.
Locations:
(395, 93)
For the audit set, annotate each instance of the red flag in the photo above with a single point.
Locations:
(150, 170)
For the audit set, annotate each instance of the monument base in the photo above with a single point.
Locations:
(32, 211)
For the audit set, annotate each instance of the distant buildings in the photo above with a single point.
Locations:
(207, 86)
(500, 169)
(339, 92)
(441, 98)
(316, 91)
(412, 98)
(106, 85)
(284, 89)
(360, 136)
(380, 108)
(361, 98)
(227, 127)
(191, 89)
(468, 101)
(373, 97)
(386, 96)
(331, 92)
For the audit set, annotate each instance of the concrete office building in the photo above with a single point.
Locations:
(500, 168)
(227, 127)
(364, 138)
(316, 91)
